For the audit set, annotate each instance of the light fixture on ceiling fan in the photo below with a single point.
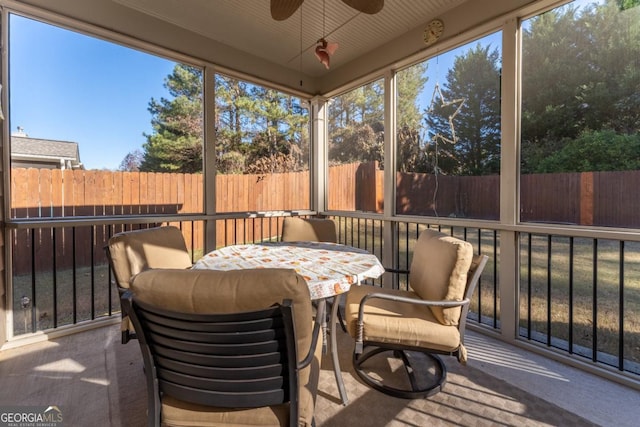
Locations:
(282, 9)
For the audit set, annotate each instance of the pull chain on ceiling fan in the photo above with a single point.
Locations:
(324, 49)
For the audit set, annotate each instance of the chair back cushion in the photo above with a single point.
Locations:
(308, 230)
(439, 272)
(134, 251)
(215, 291)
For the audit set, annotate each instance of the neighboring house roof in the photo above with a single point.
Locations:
(64, 154)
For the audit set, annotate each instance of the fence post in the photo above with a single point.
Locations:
(586, 198)
(367, 191)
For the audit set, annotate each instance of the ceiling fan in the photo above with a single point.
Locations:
(282, 9)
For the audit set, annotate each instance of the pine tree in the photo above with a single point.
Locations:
(176, 142)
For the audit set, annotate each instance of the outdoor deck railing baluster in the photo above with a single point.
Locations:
(577, 300)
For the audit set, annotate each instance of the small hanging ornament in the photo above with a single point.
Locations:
(324, 50)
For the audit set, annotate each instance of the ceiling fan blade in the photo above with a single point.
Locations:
(282, 9)
(366, 6)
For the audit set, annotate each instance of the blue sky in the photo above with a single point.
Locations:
(70, 87)
(439, 65)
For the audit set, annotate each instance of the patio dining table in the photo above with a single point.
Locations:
(329, 269)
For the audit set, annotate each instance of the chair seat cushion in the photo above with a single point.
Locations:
(393, 322)
(179, 413)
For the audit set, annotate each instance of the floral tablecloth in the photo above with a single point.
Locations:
(328, 268)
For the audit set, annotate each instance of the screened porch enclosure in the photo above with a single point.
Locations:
(536, 166)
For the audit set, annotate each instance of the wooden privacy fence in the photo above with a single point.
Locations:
(590, 198)
(47, 193)
(356, 187)
(606, 199)
(448, 196)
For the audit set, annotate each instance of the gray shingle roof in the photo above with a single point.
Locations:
(44, 147)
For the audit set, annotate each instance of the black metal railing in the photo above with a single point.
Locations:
(60, 273)
(235, 231)
(580, 295)
(69, 282)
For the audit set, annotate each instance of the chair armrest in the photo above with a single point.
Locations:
(314, 342)
(406, 300)
(125, 298)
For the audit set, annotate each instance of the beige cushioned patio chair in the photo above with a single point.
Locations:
(308, 230)
(131, 252)
(235, 348)
(417, 324)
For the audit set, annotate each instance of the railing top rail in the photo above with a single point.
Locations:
(24, 223)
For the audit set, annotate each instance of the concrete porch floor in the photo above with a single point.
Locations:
(96, 381)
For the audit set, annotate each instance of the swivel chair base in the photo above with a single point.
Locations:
(416, 366)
